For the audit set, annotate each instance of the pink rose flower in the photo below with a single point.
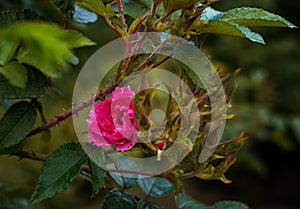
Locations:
(112, 121)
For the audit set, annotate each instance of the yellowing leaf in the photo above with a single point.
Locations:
(8, 47)
(44, 46)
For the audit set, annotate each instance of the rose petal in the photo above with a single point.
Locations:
(112, 121)
(98, 140)
(125, 146)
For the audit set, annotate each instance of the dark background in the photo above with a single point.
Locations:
(266, 104)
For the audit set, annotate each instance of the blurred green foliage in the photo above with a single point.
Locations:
(266, 103)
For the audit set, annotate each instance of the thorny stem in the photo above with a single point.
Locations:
(154, 65)
(31, 155)
(67, 113)
(127, 61)
(149, 58)
(76, 108)
(44, 157)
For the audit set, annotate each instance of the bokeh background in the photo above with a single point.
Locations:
(266, 104)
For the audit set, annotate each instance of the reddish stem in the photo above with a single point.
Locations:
(154, 65)
(140, 22)
(67, 113)
(120, 10)
(32, 155)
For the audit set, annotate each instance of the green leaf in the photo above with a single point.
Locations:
(228, 28)
(74, 39)
(134, 24)
(143, 204)
(252, 36)
(248, 16)
(36, 86)
(13, 149)
(117, 199)
(214, 173)
(16, 124)
(123, 181)
(225, 154)
(192, 75)
(40, 57)
(109, 11)
(124, 163)
(229, 204)
(183, 201)
(82, 15)
(134, 8)
(8, 48)
(155, 186)
(96, 6)
(61, 168)
(97, 176)
(187, 52)
(15, 73)
(11, 16)
(210, 14)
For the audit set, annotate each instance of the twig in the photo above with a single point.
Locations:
(66, 24)
(138, 25)
(154, 65)
(129, 172)
(86, 169)
(31, 155)
(162, 18)
(67, 113)
(120, 10)
(148, 59)
(112, 26)
(44, 157)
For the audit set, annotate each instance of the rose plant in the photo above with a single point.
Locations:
(29, 61)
